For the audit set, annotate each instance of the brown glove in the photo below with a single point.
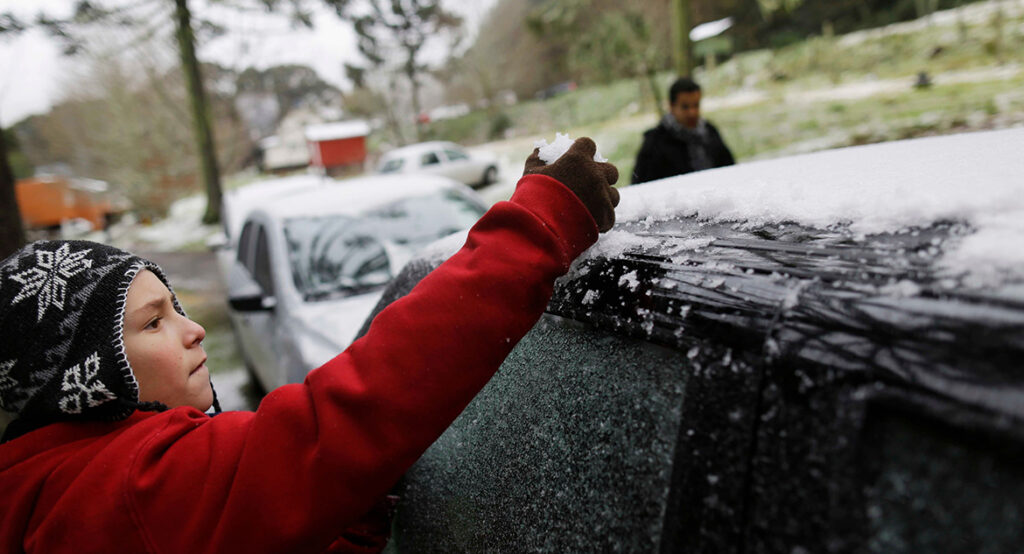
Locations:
(591, 181)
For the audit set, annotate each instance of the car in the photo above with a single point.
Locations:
(476, 169)
(308, 264)
(819, 353)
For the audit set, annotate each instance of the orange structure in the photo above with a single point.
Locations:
(46, 202)
(338, 147)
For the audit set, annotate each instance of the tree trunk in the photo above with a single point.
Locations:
(410, 72)
(681, 37)
(200, 112)
(12, 233)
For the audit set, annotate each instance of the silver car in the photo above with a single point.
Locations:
(307, 267)
(448, 159)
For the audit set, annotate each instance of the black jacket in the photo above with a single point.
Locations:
(664, 155)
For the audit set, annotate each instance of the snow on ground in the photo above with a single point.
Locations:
(976, 178)
(231, 386)
(181, 228)
(974, 14)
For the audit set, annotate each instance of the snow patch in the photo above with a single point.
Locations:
(630, 279)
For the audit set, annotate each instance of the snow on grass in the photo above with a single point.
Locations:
(976, 178)
(978, 13)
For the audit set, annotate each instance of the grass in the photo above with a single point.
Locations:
(974, 63)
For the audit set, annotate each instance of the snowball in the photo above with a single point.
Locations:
(551, 152)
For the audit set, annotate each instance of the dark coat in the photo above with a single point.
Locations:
(664, 155)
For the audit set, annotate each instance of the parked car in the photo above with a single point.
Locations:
(820, 353)
(306, 267)
(475, 169)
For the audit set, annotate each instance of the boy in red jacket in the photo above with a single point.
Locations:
(111, 451)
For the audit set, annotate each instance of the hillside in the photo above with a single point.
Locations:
(824, 92)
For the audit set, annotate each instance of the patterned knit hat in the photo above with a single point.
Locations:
(62, 355)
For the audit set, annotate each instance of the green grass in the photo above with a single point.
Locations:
(614, 113)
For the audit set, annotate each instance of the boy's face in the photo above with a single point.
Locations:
(686, 108)
(163, 347)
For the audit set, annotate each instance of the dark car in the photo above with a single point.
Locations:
(747, 369)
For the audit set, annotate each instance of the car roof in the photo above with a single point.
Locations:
(240, 202)
(846, 259)
(356, 195)
(413, 149)
(976, 179)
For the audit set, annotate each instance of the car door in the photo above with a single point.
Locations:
(587, 436)
(814, 409)
(462, 167)
(256, 328)
(433, 162)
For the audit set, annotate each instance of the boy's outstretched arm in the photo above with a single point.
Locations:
(316, 456)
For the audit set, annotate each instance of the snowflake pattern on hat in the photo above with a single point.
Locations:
(48, 280)
(83, 387)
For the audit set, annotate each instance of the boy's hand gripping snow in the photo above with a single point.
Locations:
(591, 181)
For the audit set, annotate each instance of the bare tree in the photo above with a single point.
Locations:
(681, 37)
(399, 26)
(12, 230)
(200, 111)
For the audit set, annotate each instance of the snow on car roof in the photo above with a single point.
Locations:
(975, 178)
(352, 196)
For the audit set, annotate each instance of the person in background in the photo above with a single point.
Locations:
(683, 141)
(112, 451)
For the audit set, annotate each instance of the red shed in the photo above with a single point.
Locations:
(338, 147)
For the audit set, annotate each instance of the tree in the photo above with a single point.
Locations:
(200, 111)
(681, 37)
(12, 230)
(402, 27)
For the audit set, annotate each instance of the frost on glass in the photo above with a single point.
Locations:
(568, 449)
(935, 490)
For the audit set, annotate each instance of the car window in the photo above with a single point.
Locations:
(337, 255)
(932, 485)
(577, 430)
(430, 158)
(392, 165)
(245, 246)
(455, 155)
(261, 262)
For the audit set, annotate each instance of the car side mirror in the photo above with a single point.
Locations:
(245, 294)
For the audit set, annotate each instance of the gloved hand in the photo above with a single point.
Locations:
(591, 181)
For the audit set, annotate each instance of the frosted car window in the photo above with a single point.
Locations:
(569, 448)
(941, 490)
(334, 256)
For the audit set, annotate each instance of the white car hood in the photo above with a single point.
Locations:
(323, 329)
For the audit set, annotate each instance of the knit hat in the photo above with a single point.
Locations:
(62, 356)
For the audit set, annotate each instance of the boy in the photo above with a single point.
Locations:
(111, 451)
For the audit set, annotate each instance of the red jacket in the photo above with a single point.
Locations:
(315, 457)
